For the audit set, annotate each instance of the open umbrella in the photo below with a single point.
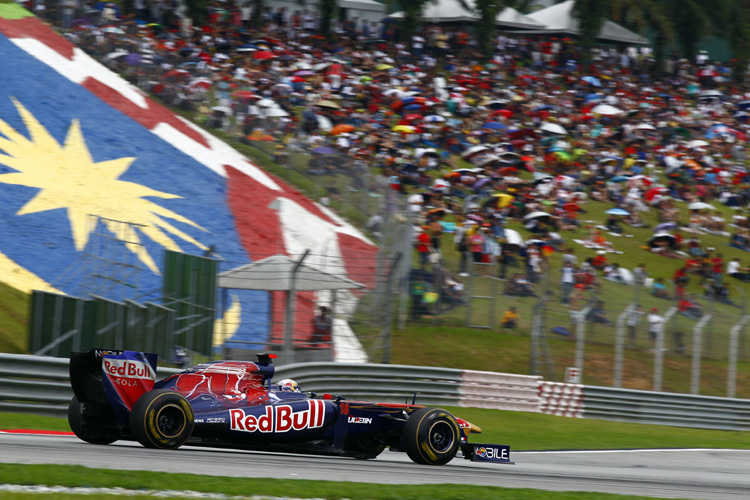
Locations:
(115, 55)
(639, 181)
(222, 109)
(276, 112)
(342, 128)
(662, 239)
(435, 212)
(406, 129)
(699, 205)
(503, 199)
(244, 94)
(327, 104)
(618, 178)
(617, 211)
(553, 128)
(323, 150)
(383, 67)
(473, 150)
(536, 215)
(665, 226)
(482, 161)
(494, 126)
(653, 192)
(263, 55)
(592, 80)
(606, 109)
(645, 126)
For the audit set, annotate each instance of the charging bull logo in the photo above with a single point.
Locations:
(279, 418)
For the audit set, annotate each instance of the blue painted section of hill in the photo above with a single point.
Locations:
(42, 242)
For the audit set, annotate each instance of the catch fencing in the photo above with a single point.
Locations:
(36, 384)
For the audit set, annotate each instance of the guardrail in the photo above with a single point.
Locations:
(37, 384)
(665, 408)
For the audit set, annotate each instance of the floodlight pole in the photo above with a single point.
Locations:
(290, 296)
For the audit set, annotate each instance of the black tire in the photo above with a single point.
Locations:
(94, 430)
(363, 447)
(431, 436)
(161, 419)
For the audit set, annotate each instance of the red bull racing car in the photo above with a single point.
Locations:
(233, 404)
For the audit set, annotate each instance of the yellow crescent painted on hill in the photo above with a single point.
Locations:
(227, 326)
(21, 279)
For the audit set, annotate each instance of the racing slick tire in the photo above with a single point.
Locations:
(100, 429)
(431, 436)
(161, 419)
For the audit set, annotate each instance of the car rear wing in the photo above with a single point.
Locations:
(112, 377)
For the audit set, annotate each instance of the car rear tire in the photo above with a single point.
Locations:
(92, 429)
(431, 436)
(161, 419)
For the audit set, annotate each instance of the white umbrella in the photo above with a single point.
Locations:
(699, 205)
(222, 109)
(324, 123)
(553, 128)
(415, 198)
(474, 150)
(116, 54)
(273, 112)
(481, 161)
(535, 215)
(267, 103)
(645, 126)
(605, 109)
(697, 143)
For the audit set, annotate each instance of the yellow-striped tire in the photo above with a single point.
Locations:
(431, 436)
(161, 419)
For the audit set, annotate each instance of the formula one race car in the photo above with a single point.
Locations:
(233, 404)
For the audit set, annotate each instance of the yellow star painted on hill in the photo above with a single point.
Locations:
(68, 177)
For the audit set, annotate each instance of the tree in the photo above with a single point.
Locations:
(197, 10)
(590, 15)
(412, 13)
(327, 10)
(485, 29)
(642, 15)
(738, 24)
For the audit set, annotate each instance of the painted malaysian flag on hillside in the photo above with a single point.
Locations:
(78, 141)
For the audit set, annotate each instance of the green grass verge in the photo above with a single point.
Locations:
(71, 476)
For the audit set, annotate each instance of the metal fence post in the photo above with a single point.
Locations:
(580, 319)
(537, 323)
(695, 372)
(620, 344)
(734, 344)
(659, 350)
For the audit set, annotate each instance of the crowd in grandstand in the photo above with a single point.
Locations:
(531, 135)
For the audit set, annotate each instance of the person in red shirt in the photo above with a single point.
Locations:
(424, 243)
(717, 267)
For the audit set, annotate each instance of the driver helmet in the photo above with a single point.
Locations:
(288, 385)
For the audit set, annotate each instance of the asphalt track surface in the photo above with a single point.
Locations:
(694, 474)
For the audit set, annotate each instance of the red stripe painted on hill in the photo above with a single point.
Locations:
(149, 118)
(31, 27)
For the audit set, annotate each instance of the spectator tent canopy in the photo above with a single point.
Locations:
(282, 273)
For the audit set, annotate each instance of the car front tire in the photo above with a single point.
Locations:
(431, 436)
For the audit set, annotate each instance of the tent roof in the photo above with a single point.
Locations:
(447, 11)
(558, 19)
(274, 273)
